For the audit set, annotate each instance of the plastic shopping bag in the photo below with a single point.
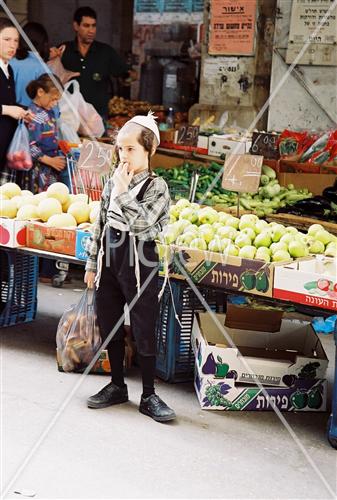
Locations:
(18, 154)
(66, 133)
(78, 338)
(91, 122)
(69, 104)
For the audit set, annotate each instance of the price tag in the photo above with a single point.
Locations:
(96, 157)
(188, 135)
(265, 144)
(242, 173)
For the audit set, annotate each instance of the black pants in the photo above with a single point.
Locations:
(118, 286)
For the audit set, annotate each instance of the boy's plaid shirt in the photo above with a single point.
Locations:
(145, 218)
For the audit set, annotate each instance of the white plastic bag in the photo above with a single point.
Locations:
(91, 122)
(69, 105)
(66, 133)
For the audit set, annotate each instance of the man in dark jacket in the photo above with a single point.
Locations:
(96, 62)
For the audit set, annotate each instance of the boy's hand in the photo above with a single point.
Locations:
(89, 279)
(121, 178)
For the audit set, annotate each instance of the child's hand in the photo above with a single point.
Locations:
(58, 162)
(89, 279)
(122, 178)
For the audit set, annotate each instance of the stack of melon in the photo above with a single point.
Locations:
(56, 206)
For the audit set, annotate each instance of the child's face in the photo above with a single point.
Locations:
(48, 100)
(9, 41)
(131, 152)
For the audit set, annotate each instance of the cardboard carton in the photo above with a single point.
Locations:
(310, 281)
(12, 232)
(304, 395)
(275, 359)
(246, 317)
(51, 239)
(81, 240)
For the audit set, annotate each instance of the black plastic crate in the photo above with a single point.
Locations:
(18, 287)
(175, 358)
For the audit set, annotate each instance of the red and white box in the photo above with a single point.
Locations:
(311, 282)
(12, 232)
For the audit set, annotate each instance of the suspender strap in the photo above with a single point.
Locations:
(144, 187)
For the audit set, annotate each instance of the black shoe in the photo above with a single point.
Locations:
(110, 395)
(155, 408)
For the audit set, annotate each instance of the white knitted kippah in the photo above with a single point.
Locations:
(148, 121)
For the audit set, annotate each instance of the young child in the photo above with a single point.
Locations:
(43, 133)
(124, 264)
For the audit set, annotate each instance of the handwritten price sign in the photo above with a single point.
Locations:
(96, 157)
(242, 173)
(188, 135)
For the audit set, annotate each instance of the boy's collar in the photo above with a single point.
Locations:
(139, 177)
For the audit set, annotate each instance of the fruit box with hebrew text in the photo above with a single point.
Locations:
(81, 240)
(51, 239)
(310, 281)
(273, 358)
(12, 232)
(224, 394)
(222, 271)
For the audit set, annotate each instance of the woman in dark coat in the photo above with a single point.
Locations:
(9, 112)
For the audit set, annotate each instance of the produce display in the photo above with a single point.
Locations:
(311, 148)
(120, 106)
(247, 237)
(270, 197)
(56, 206)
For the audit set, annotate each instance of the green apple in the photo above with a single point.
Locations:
(185, 239)
(227, 232)
(291, 230)
(242, 240)
(249, 232)
(222, 217)
(196, 206)
(189, 214)
(315, 246)
(324, 236)
(263, 253)
(260, 226)
(247, 252)
(206, 231)
(183, 203)
(225, 242)
(248, 221)
(277, 231)
(199, 243)
(172, 219)
(281, 256)
(169, 235)
(174, 211)
(262, 240)
(192, 228)
(231, 250)
(287, 238)
(297, 249)
(280, 245)
(217, 226)
(216, 244)
(331, 249)
(232, 222)
(182, 224)
(314, 228)
(207, 215)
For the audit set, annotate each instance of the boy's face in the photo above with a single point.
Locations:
(9, 41)
(130, 151)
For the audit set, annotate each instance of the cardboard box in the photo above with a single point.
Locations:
(304, 395)
(275, 359)
(102, 365)
(311, 281)
(51, 239)
(222, 271)
(227, 144)
(246, 317)
(12, 233)
(81, 240)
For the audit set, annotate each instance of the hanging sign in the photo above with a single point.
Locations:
(96, 156)
(242, 173)
(188, 135)
(232, 27)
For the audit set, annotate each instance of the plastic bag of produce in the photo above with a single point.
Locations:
(18, 154)
(91, 122)
(78, 338)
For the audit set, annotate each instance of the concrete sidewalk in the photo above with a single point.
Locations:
(119, 453)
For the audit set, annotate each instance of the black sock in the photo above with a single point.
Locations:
(147, 365)
(116, 351)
